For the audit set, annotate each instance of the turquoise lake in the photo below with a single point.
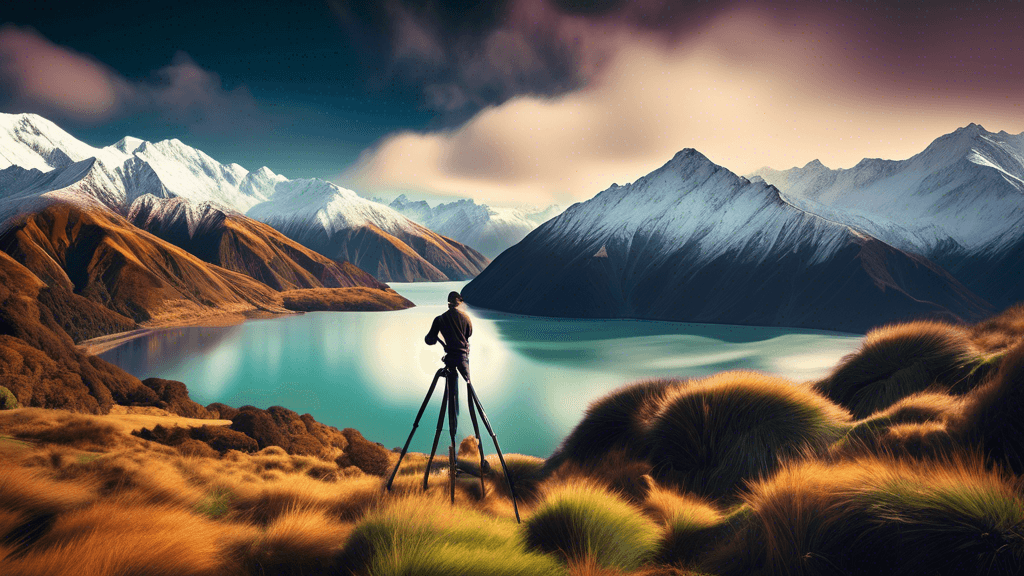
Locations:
(535, 376)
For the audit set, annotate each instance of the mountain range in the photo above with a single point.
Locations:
(959, 202)
(694, 242)
(41, 164)
(488, 229)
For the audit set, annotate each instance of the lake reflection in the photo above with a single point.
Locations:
(535, 376)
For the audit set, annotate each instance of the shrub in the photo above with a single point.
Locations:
(897, 361)
(714, 434)
(370, 457)
(578, 520)
(8, 401)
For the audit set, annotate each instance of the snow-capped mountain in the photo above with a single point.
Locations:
(694, 242)
(41, 164)
(242, 244)
(488, 229)
(960, 202)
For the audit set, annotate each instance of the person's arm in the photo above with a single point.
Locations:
(469, 327)
(431, 338)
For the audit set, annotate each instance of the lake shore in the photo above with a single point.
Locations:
(296, 301)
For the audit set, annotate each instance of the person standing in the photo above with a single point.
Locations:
(456, 328)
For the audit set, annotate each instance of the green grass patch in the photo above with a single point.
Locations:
(216, 504)
(425, 536)
(581, 520)
(15, 441)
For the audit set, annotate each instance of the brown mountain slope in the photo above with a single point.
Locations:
(103, 258)
(243, 245)
(410, 254)
(38, 360)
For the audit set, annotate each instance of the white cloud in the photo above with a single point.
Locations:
(745, 91)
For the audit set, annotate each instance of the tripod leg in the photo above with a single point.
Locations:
(453, 423)
(479, 440)
(483, 415)
(437, 436)
(415, 424)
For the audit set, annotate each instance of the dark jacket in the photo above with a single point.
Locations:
(456, 328)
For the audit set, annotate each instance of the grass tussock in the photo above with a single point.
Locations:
(879, 516)
(299, 542)
(692, 526)
(583, 520)
(715, 434)
(420, 534)
(617, 421)
(900, 360)
(917, 426)
(1000, 332)
(994, 416)
(619, 470)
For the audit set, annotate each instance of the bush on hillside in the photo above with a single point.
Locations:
(8, 401)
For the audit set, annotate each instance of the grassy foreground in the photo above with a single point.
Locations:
(906, 459)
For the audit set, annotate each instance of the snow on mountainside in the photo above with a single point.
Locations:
(694, 242)
(965, 190)
(41, 164)
(490, 230)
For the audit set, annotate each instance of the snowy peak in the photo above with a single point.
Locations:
(693, 242)
(128, 144)
(692, 201)
(488, 229)
(965, 189)
(31, 141)
(158, 214)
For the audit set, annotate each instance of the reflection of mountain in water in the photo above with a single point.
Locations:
(166, 349)
(651, 348)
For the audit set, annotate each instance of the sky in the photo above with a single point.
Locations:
(516, 102)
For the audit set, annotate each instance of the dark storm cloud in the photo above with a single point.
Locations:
(465, 56)
(39, 76)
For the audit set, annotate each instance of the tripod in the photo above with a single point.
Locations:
(448, 405)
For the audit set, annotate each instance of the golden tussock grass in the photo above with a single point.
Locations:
(879, 516)
(993, 417)
(617, 421)
(421, 534)
(692, 525)
(899, 360)
(141, 508)
(714, 434)
(1000, 332)
(580, 519)
(300, 541)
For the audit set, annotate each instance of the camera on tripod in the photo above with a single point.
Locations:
(449, 405)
